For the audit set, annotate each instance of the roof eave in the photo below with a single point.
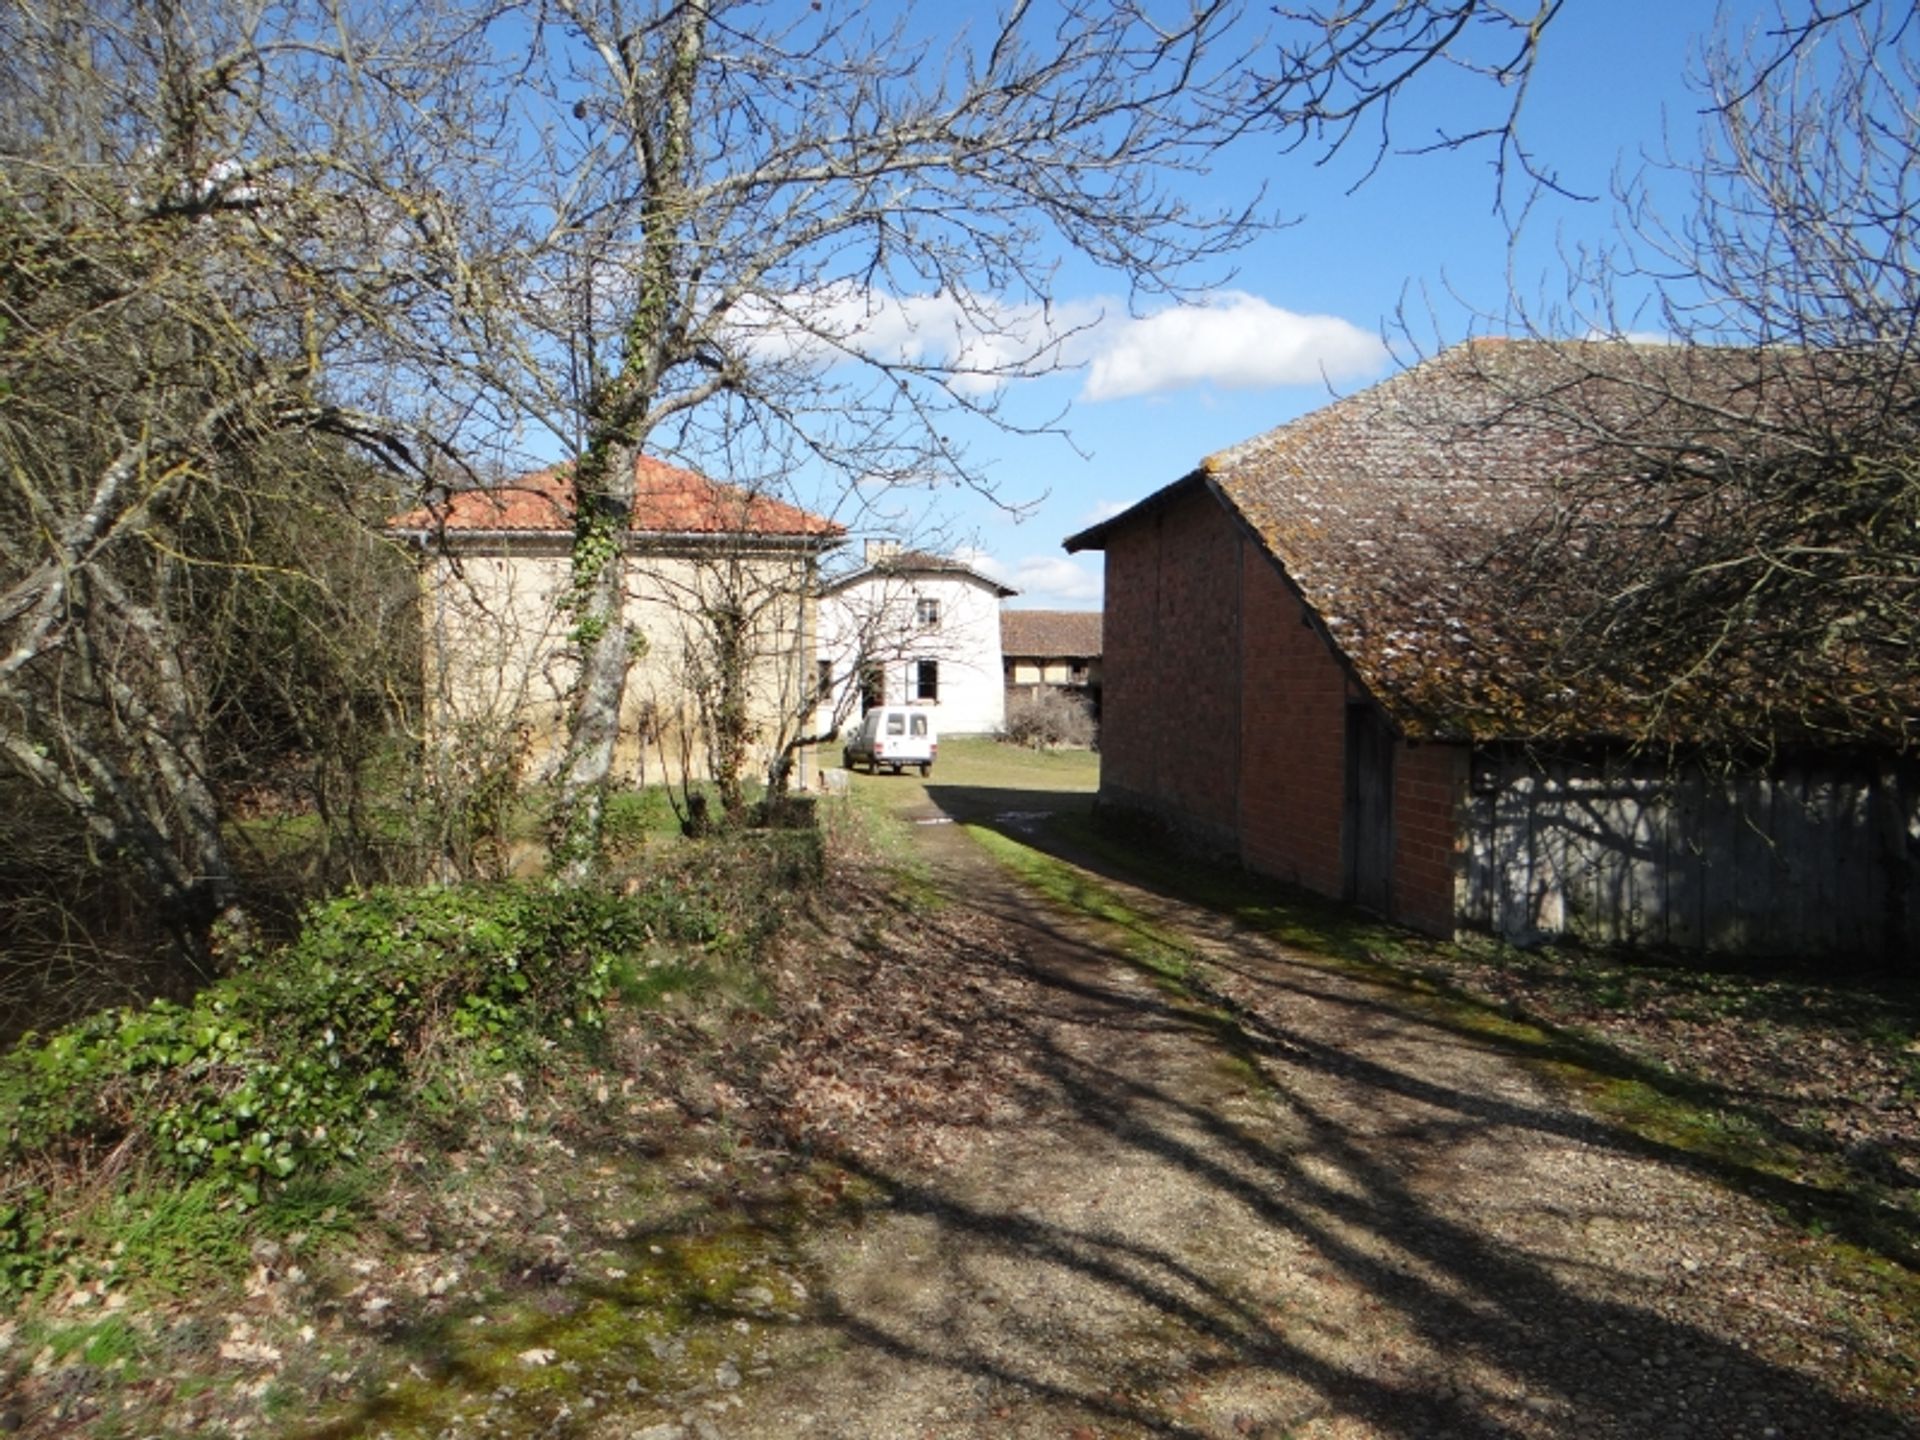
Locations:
(1094, 537)
(867, 572)
(453, 533)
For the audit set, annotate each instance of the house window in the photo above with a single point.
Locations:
(927, 610)
(927, 680)
(823, 678)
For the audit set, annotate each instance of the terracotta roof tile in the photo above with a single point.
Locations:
(668, 500)
(1050, 634)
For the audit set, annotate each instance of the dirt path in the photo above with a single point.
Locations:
(956, 1167)
(1308, 1213)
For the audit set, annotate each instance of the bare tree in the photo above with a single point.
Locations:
(733, 622)
(1736, 552)
(189, 232)
(775, 209)
(1341, 69)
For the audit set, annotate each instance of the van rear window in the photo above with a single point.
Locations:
(920, 725)
(896, 724)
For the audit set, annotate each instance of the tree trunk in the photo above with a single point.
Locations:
(604, 504)
(621, 418)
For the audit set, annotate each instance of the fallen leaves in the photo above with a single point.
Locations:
(911, 1050)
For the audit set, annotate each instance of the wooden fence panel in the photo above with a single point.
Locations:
(1816, 859)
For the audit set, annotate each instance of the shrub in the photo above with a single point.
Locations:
(1049, 717)
(279, 1068)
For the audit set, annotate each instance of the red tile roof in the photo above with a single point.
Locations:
(1050, 634)
(667, 501)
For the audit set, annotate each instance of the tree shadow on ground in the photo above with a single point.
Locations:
(1500, 1341)
(1576, 1361)
(1241, 916)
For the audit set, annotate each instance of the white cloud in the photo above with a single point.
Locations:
(1045, 582)
(1106, 510)
(1055, 582)
(1236, 340)
(981, 342)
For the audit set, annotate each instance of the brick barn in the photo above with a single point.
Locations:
(1305, 670)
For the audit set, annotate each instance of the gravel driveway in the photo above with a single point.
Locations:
(1299, 1209)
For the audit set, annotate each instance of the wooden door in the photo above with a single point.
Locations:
(1366, 830)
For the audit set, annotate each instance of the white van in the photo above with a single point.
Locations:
(895, 736)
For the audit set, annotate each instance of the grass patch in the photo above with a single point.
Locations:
(973, 773)
(1156, 950)
(106, 1343)
(169, 1238)
(974, 762)
(647, 981)
(979, 761)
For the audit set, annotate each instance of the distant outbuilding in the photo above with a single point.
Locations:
(909, 627)
(1051, 650)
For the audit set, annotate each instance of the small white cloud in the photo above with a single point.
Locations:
(978, 559)
(1632, 337)
(1236, 341)
(1056, 582)
(1106, 510)
(978, 343)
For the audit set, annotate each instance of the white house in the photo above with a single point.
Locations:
(910, 628)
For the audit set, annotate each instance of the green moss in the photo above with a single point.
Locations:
(658, 1320)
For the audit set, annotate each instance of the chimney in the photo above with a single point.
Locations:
(881, 550)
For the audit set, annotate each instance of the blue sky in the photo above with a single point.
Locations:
(1303, 319)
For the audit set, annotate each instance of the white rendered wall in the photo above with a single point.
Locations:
(877, 616)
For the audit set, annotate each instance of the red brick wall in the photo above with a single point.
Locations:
(1127, 723)
(1429, 785)
(1224, 710)
(1170, 707)
(1293, 716)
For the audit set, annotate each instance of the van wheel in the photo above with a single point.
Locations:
(926, 770)
(846, 760)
